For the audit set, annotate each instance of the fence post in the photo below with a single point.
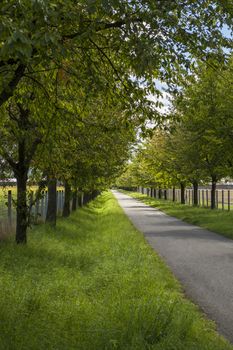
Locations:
(57, 201)
(203, 198)
(30, 203)
(199, 198)
(77, 200)
(207, 198)
(222, 199)
(46, 203)
(217, 199)
(229, 200)
(42, 208)
(9, 205)
(61, 200)
(37, 210)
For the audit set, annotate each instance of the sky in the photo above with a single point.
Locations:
(163, 86)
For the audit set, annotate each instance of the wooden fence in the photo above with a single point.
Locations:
(38, 210)
(224, 197)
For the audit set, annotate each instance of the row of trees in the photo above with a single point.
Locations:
(74, 81)
(196, 144)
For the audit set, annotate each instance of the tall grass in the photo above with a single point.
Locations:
(93, 283)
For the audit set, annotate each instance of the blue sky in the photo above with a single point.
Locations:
(162, 85)
(226, 32)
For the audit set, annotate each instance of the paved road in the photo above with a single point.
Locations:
(200, 259)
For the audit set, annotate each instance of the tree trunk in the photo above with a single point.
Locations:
(160, 193)
(21, 208)
(85, 198)
(97, 193)
(182, 194)
(66, 208)
(165, 194)
(74, 200)
(213, 192)
(195, 193)
(94, 194)
(173, 194)
(51, 216)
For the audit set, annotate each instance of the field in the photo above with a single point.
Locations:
(93, 283)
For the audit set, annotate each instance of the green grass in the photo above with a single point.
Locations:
(95, 284)
(216, 220)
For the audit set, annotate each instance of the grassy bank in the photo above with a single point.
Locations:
(214, 220)
(95, 284)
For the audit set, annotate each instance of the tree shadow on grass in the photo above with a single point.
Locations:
(44, 260)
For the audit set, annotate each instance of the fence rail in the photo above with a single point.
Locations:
(38, 210)
(223, 197)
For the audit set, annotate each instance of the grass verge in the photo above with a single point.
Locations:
(95, 284)
(216, 220)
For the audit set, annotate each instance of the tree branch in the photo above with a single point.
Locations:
(38, 83)
(8, 92)
(110, 62)
(102, 26)
(9, 160)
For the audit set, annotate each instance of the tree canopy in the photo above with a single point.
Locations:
(75, 79)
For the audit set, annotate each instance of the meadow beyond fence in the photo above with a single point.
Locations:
(38, 209)
(223, 197)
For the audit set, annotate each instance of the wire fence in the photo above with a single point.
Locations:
(223, 197)
(38, 209)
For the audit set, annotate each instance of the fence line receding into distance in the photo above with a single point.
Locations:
(223, 197)
(38, 210)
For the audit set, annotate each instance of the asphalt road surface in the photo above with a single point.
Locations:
(201, 260)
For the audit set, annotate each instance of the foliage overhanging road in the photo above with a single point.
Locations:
(202, 260)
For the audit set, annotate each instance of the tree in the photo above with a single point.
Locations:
(118, 48)
(196, 145)
(201, 122)
(22, 130)
(134, 38)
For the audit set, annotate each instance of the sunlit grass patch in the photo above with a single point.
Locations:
(94, 283)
